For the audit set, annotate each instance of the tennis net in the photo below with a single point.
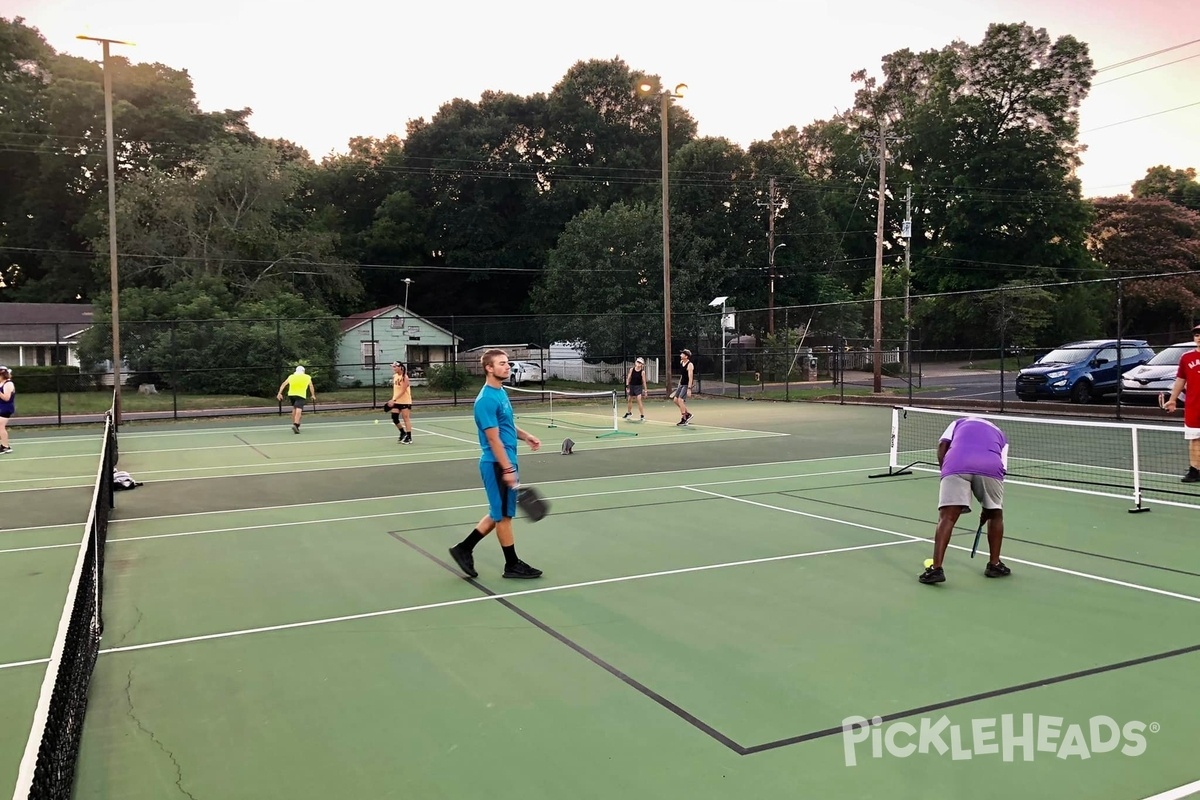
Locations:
(48, 767)
(1142, 463)
(579, 411)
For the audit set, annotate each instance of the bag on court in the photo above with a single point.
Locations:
(567, 446)
(123, 480)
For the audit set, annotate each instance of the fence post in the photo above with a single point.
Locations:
(1120, 349)
(174, 372)
(57, 376)
(787, 375)
(454, 366)
(1003, 326)
(279, 354)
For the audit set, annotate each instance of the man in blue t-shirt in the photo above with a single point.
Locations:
(498, 437)
(973, 455)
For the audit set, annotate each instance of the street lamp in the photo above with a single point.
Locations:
(652, 87)
(771, 289)
(112, 224)
(404, 323)
(720, 301)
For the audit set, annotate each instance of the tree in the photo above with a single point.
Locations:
(1177, 185)
(618, 307)
(988, 134)
(234, 218)
(1148, 236)
(55, 180)
(197, 336)
(365, 201)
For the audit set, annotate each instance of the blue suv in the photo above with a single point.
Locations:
(1080, 371)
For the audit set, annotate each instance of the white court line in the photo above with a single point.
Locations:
(128, 435)
(448, 436)
(1178, 793)
(1062, 570)
(359, 517)
(285, 467)
(474, 599)
(292, 442)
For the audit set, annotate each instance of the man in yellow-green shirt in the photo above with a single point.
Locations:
(298, 385)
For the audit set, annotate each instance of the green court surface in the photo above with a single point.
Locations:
(722, 605)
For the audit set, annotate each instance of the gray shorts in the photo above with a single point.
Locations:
(680, 392)
(636, 391)
(956, 490)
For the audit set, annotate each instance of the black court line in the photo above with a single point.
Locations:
(252, 447)
(742, 750)
(1070, 676)
(675, 709)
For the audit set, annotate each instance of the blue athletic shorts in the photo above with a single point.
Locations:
(502, 500)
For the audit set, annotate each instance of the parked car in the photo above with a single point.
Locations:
(1081, 371)
(1156, 376)
(525, 372)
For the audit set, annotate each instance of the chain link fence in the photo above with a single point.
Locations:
(828, 350)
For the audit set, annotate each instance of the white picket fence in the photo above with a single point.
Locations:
(574, 369)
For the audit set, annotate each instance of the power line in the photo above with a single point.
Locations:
(1144, 116)
(1144, 56)
(1147, 69)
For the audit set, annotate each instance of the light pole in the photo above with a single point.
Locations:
(720, 301)
(771, 289)
(404, 321)
(112, 224)
(649, 88)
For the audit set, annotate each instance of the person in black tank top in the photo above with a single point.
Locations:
(687, 379)
(635, 386)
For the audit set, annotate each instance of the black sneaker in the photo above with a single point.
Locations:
(1192, 476)
(687, 420)
(997, 570)
(401, 439)
(465, 560)
(932, 575)
(295, 428)
(628, 414)
(408, 438)
(4, 450)
(520, 569)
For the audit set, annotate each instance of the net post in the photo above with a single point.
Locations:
(894, 449)
(616, 424)
(1138, 508)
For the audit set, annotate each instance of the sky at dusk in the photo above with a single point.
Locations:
(321, 73)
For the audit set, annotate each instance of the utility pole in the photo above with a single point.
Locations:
(114, 288)
(906, 232)
(771, 257)
(879, 258)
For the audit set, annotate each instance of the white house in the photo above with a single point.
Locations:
(42, 334)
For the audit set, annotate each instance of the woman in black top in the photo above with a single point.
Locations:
(635, 386)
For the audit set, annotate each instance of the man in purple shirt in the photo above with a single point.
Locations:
(973, 455)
